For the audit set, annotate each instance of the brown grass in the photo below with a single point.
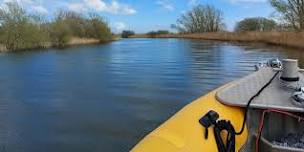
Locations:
(289, 39)
(81, 41)
(3, 48)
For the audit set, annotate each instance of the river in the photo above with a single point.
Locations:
(108, 97)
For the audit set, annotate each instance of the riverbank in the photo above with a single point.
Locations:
(288, 39)
(75, 41)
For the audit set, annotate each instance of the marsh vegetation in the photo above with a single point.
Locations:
(284, 27)
(20, 30)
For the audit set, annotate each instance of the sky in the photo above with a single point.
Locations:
(146, 15)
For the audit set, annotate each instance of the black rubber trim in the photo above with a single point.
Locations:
(290, 79)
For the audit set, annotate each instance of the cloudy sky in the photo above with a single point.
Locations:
(146, 15)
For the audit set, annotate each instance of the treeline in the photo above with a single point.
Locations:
(127, 33)
(155, 33)
(151, 34)
(207, 18)
(21, 30)
(256, 24)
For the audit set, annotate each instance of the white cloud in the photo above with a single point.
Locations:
(117, 8)
(39, 9)
(166, 5)
(119, 26)
(113, 7)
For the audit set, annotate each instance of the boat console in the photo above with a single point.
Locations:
(274, 110)
(279, 94)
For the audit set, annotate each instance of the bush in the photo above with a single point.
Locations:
(159, 32)
(256, 24)
(60, 33)
(70, 24)
(21, 30)
(98, 28)
(126, 34)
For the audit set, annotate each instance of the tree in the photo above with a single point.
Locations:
(126, 34)
(292, 12)
(69, 24)
(60, 33)
(162, 32)
(77, 22)
(202, 18)
(99, 28)
(20, 30)
(159, 32)
(256, 24)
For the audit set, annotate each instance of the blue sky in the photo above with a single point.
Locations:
(146, 15)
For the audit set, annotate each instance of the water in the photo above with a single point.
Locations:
(108, 97)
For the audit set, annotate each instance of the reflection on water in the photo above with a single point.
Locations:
(107, 97)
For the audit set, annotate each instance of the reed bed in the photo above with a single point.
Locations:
(73, 42)
(288, 39)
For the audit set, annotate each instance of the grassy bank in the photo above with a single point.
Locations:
(288, 39)
(72, 42)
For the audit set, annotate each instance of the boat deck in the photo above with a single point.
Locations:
(276, 95)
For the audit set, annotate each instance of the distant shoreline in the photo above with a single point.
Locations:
(73, 42)
(287, 39)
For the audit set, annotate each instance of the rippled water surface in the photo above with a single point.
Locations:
(107, 97)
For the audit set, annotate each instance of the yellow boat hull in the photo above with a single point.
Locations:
(183, 132)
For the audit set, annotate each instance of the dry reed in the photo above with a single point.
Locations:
(289, 39)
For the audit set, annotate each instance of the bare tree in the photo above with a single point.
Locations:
(292, 11)
(202, 18)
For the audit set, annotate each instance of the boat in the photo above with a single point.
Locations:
(260, 112)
